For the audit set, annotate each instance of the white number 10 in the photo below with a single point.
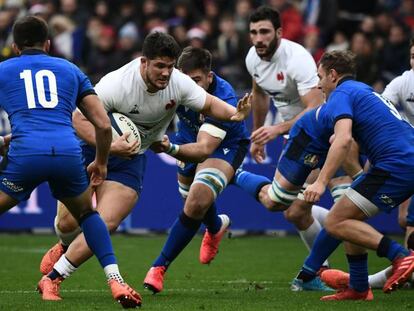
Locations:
(26, 75)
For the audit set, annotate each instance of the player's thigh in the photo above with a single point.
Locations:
(114, 202)
(79, 205)
(6, 202)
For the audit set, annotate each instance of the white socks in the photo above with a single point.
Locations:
(112, 272)
(378, 279)
(64, 267)
(319, 213)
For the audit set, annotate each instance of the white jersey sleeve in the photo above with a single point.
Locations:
(393, 89)
(303, 70)
(107, 91)
(193, 96)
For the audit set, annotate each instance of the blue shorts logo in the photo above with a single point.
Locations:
(10, 185)
(311, 160)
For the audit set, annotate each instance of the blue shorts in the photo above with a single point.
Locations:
(127, 172)
(385, 189)
(296, 162)
(233, 154)
(66, 175)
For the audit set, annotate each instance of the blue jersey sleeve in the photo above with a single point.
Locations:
(85, 85)
(339, 107)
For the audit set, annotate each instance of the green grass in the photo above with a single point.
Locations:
(250, 273)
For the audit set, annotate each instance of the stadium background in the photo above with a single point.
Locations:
(101, 36)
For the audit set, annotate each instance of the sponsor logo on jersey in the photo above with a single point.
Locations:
(386, 200)
(170, 105)
(280, 76)
(226, 150)
(311, 160)
(12, 186)
(134, 110)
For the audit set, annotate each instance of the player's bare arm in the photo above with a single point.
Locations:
(96, 114)
(220, 110)
(193, 152)
(336, 156)
(264, 134)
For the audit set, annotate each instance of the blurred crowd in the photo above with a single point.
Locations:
(102, 35)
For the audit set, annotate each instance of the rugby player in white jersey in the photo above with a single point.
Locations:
(148, 90)
(284, 71)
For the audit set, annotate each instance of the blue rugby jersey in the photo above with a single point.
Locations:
(39, 94)
(190, 121)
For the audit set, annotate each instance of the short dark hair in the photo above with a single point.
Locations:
(266, 13)
(343, 62)
(411, 42)
(30, 31)
(193, 58)
(159, 44)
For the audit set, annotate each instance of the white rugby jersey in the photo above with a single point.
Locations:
(125, 91)
(288, 75)
(400, 91)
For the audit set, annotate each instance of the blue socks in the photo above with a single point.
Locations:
(323, 247)
(211, 220)
(249, 182)
(391, 249)
(358, 270)
(97, 236)
(182, 232)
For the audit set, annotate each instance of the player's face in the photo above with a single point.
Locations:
(265, 38)
(412, 57)
(157, 72)
(201, 77)
(327, 80)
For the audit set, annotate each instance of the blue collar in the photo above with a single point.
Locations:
(33, 52)
(344, 79)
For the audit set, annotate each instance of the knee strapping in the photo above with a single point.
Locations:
(339, 190)
(183, 189)
(279, 195)
(212, 178)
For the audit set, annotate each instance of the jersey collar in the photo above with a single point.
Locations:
(212, 86)
(346, 78)
(33, 52)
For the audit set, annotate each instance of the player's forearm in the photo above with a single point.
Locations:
(335, 158)
(192, 153)
(103, 144)
(260, 107)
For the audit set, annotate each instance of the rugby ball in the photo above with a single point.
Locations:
(121, 124)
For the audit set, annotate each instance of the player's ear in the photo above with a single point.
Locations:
(15, 49)
(210, 77)
(279, 32)
(46, 46)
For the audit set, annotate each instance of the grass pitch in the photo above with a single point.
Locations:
(249, 273)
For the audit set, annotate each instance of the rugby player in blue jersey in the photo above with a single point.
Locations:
(220, 147)
(353, 109)
(39, 93)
